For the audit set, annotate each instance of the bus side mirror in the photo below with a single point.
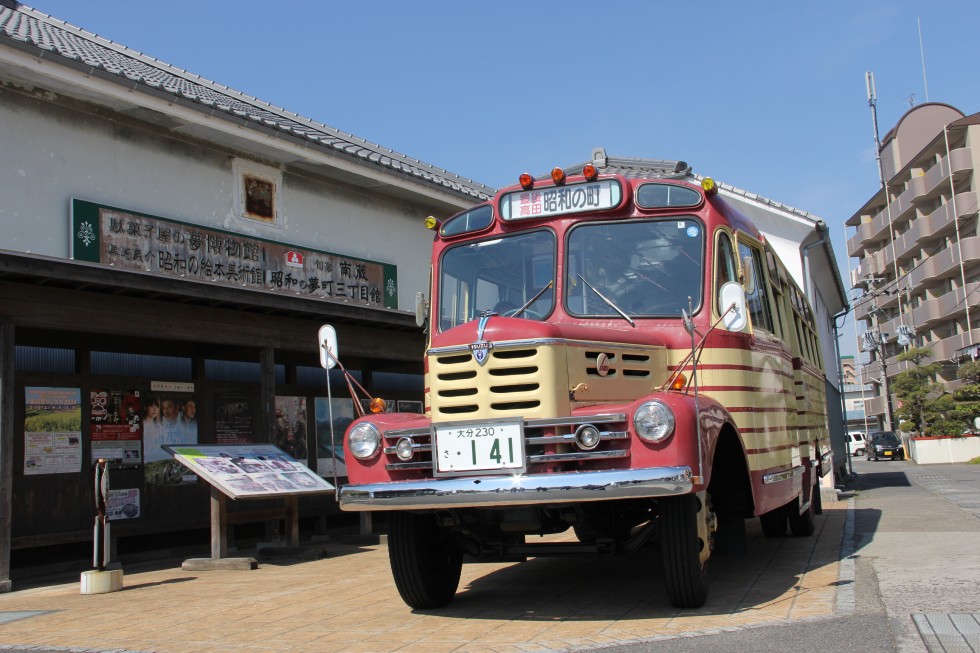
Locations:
(421, 309)
(732, 303)
(748, 275)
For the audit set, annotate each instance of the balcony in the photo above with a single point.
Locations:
(962, 160)
(948, 306)
(946, 348)
(903, 208)
(945, 263)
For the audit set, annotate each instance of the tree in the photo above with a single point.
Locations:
(926, 406)
(917, 390)
(968, 395)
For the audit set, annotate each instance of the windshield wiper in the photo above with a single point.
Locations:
(533, 299)
(608, 301)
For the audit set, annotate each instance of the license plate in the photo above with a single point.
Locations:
(888, 453)
(479, 447)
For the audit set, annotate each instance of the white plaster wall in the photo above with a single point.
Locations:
(928, 451)
(52, 153)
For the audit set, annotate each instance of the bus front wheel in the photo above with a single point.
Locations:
(425, 562)
(685, 525)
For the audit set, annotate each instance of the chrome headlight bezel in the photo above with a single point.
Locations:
(364, 441)
(653, 421)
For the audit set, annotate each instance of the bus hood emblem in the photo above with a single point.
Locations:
(481, 351)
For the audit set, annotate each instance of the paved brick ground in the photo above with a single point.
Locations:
(347, 602)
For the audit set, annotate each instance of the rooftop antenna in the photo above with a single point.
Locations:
(922, 57)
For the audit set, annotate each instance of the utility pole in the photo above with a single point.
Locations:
(875, 339)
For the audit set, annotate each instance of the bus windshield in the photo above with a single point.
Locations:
(641, 268)
(500, 275)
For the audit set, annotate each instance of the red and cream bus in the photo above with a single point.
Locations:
(622, 359)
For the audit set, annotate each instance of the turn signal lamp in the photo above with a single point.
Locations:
(431, 223)
(679, 383)
(709, 186)
(558, 176)
(590, 172)
(377, 405)
(527, 181)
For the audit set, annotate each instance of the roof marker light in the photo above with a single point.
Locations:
(527, 181)
(558, 176)
(590, 172)
(709, 186)
(431, 223)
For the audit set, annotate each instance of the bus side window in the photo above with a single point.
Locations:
(725, 267)
(758, 300)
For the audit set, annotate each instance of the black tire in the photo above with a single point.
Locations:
(773, 522)
(730, 536)
(425, 563)
(680, 545)
(802, 525)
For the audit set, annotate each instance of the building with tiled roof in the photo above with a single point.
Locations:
(169, 241)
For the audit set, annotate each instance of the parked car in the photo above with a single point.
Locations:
(884, 446)
(855, 443)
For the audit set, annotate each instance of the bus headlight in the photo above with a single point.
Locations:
(364, 440)
(653, 421)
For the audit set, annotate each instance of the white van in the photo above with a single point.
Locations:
(855, 443)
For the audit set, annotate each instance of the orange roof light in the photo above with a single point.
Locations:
(590, 172)
(431, 223)
(558, 176)
(527, 181)
(679, 383)
(377, 405)
(709, 186)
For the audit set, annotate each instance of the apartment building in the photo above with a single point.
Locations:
(918, 247)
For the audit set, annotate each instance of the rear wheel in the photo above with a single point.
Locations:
(801, 524)
(425, 563)
(685, 525)
(773, 522)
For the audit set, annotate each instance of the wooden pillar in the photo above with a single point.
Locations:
(267, 391)
(7, 352)
(219, 525)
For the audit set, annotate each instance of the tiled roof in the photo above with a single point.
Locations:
(639, 168)
(34, 31)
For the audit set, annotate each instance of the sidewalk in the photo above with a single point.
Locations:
(917, 530)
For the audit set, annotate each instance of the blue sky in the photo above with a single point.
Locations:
(766, 96)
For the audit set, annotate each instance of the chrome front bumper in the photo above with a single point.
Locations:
(481, 492)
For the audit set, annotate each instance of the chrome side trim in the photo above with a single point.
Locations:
(489, 491)
(776, 477)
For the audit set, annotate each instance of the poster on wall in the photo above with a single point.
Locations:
(291, 426)
(169, 418)
(52, 430)
(123, 504)
(232, 419)
(330, 449)
(252, 470)
(115, 418)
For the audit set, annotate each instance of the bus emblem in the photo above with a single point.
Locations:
(602, 365)
(481, 351)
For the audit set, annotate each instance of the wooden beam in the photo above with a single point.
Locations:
(6, 447)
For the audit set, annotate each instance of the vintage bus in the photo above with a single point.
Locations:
(623, 360)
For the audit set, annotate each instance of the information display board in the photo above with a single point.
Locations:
(249, 470)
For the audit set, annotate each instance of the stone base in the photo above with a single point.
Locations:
(220, 564)
(102, 582)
